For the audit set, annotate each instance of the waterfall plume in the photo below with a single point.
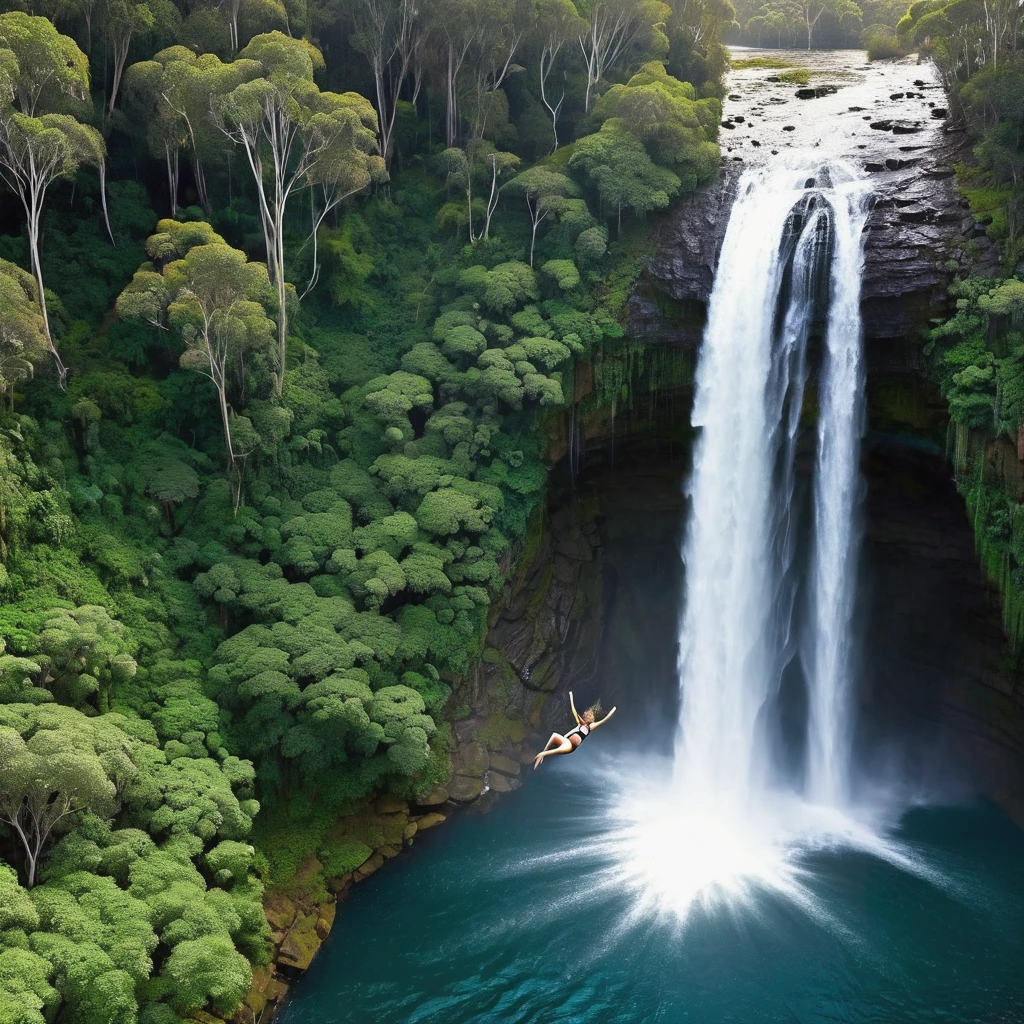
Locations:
(762, 599)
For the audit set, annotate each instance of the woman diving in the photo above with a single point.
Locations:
(585, 725)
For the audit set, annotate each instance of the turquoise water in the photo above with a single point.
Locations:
(514, 916)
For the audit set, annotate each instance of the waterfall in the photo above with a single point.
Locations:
(836, 530)
(788, 225)
(768, 598)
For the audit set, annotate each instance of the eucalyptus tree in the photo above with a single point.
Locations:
(391, 35)
(454, 25)
(501, 27)
(172, 93)
(123, 20)
(213, 296)
(54, 764)
(267, 12)
(40, 71)
(294, 136)
(811, 12)
(543, 190)
(775, 21)
(556, 23)
(150, 86)
(495, 164)
(612, 28)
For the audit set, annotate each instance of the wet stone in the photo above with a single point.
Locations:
(464, 790)
(501, 783)
(505, 765)
(429, 820)
(367, 869)
(438, 795)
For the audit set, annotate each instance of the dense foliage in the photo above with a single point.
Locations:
(978, 354)
(819, 23)
(978, 49)
(288, 295)
(978, 361)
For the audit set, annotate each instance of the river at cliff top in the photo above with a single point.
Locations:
(871, 113)
(599, 891)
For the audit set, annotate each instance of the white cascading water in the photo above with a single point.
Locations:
(728, 821)
(739, 538)
(836, 530)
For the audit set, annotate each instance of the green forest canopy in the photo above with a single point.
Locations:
(281, 322)
(282, 315)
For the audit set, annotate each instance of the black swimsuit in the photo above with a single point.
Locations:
(582, 730)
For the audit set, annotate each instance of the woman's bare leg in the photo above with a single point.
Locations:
(564, 747)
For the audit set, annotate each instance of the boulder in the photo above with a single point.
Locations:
(499, 783)
(438, 795)
(470, 759)
(300, 944)
(464, 789)
(368, 868)
(280, 912)
(325, 919)
(505, 765)
(429, 820)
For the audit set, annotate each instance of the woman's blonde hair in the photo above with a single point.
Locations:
(592, 713)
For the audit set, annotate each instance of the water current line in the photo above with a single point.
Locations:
(836, 500)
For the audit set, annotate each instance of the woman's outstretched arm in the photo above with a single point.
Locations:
(575, 713)
(605, 719)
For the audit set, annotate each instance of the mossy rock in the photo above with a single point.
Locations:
(471, 759)
(499, 731)
(465, 790)
(434, 798)
(541, 677)
(345, 856)
(372, 865)
(539, 591)
(301, 943)
(430, 820)
(492, 656)
(364, 829)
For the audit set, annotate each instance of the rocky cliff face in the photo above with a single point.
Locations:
(938, 695)
(892, 124)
